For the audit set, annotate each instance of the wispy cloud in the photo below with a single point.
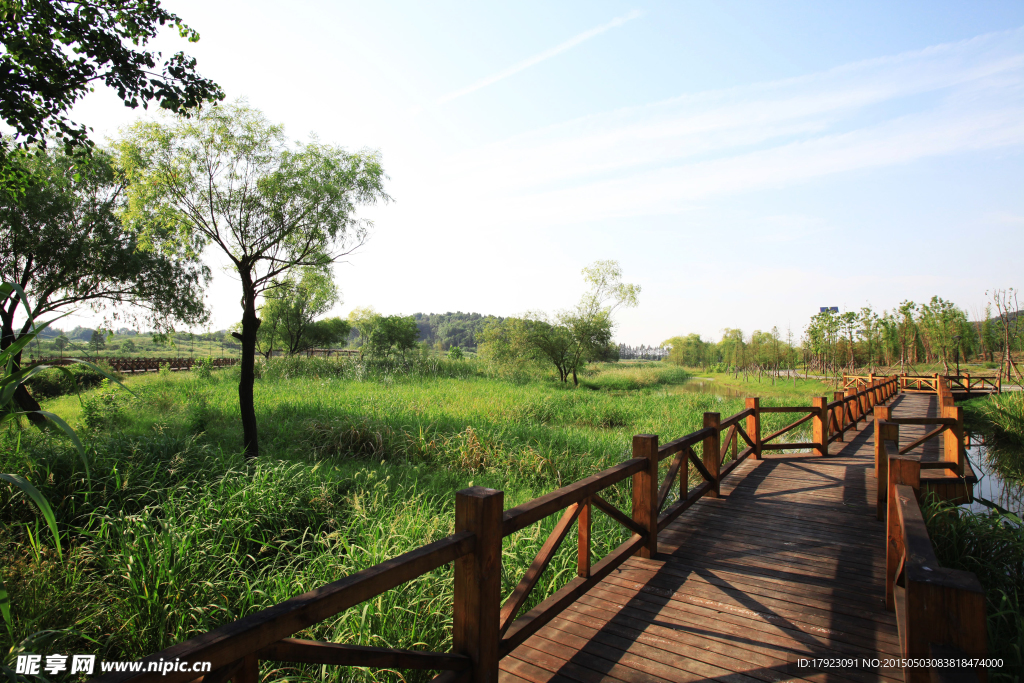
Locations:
(662, 157)
(540, 57)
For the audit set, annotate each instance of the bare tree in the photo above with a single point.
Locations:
(1008, 308)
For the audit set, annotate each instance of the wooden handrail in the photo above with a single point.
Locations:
(522, 516)
(230, 642)
(917, 442)
(934, 605)
(315, 652)
(734, 419)
(539, 564)
(673, 447)
(790, 426)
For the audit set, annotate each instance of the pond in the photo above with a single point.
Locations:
(992, 462)
(704, 385)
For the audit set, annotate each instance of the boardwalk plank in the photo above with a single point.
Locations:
(788, 563)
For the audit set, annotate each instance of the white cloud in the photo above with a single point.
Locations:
(540, 57)
(657, 158)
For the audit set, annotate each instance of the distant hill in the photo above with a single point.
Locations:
(452, 329)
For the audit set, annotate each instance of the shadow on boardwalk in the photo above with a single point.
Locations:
(789, 563)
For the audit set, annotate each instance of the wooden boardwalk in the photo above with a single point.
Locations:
(788, 563)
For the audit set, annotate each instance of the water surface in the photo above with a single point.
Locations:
(992, 484)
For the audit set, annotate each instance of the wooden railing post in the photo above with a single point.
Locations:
(684, 478)
(754, 425)
(712, 451)
(953, 438)
(906, 471)
(475, 628)
(645, 492)
(840, 414)
(249, 672)
(820, 425)
(946, 397)
(854, 403)
(583, 528)
(884, 431)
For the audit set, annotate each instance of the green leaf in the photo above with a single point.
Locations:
(8, 288)
(1003, 512)
(40, 500)
(66, 428)
(5, 609)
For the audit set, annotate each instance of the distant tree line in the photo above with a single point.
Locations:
(936, 332)
(443, 331)
(642, 352)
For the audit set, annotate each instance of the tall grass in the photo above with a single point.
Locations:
(999, 419)
(172, 533)
(991, 546)
(1006, 413)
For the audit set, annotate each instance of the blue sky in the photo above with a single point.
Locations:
(745, 162)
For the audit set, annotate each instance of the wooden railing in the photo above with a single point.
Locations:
(970, 384)
(929, 384)
(949, 425)
(484, 628)
(831, 420)
(132, 365)
(940, 612)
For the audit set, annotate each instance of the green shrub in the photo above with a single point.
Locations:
(52, 382)
(203, 368)
(106, 409)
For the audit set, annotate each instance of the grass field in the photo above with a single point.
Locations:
(170, 532)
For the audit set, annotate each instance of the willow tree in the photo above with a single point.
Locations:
(228, 178)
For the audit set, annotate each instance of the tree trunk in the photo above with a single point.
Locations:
(246, 401)
(21, 396)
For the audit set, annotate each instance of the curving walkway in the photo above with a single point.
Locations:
(787, 564)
